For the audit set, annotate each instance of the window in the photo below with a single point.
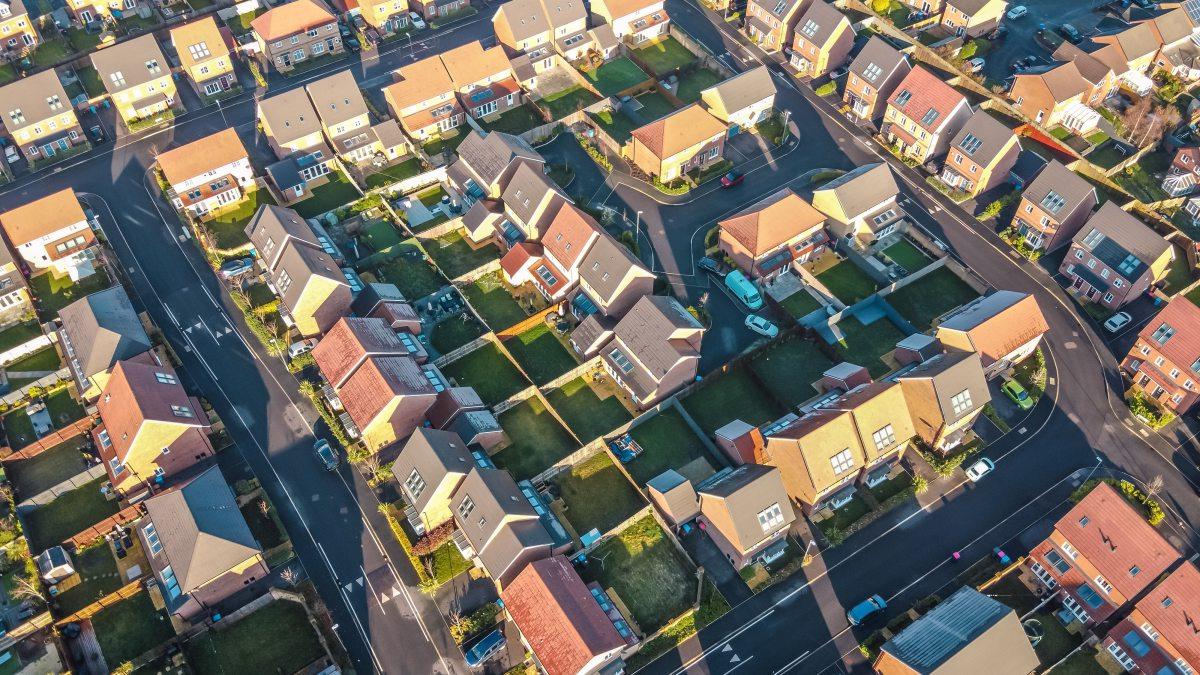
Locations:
(872, 72)
(318, 48)
(1174, 373)
(1184, 666)
(1121, 657)
(1094, 237)
(105, 441)
(620, 359)
(1104, 585)
(1149, 631)
(1070, 550)
(961, 402)
(165, 378)
(1108, 297)
(884, 438)
(171, 583)
(884, 217)
(770, 518)
(1162, 333)
(810, 28)
(1119, 283)
(1053, 202)
(1136, 643)
(117, 467)
(283, 281)
(465, 507)
(415, 485)
(1043, 576)
(1091, 264)
(1104, 273)
(198, 50)
(152, 539)
(1057, 562)
(1089, 596)
(166, 451)
(842, 461)
(547, 276)
(181, 411)
(970, 144)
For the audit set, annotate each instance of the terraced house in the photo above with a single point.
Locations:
(423, 100)
(771, 23)
(291, 123)
(1161, 631)
(38, 117)
(822, 42)
(294, 32)
(981, 155)
(346, 120)
(137, 78)
(542, 28)
(924, 115)
(483, 79)
(1115, 258)
(204, 56)
(874, 75)
(637, 21)
(17, 34)
(1164, 362)
(1053, 207)
(208, 175)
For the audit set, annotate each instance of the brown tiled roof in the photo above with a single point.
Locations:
(337, 98)
(200, 156)
(1177, 620)
(471, 62)
(419, 81)
(773, 221)
(130, 59)
(42, 217)
(135, 393)
(290, 18)
(32, 96)
(926, 92)
(679, 131)
(1066, 183)
(349, 342)
(1183, 347)
(377, 381)
(202, 31)
(289, 115)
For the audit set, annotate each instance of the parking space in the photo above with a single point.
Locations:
(1023, 39)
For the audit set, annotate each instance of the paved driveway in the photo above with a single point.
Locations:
(716, 566)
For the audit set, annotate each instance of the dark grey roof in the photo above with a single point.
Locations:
(374, 293)
(818, 23)
(982, 137)
(1065, 183)
(863, 188)
(1121, 241)
(606, 265)
(103, 328)
(979, 310)
(525, 190)
(433, 454)
(486, 156)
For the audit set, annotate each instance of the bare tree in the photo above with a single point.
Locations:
(24, 589)
(1155, 486)
(289, 576)
(264, 508)
(1135, 116)
(370, 464)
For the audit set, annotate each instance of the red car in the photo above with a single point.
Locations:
(731, 179)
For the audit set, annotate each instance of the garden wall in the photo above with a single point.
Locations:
(53, 439)
(23, 350)
(707, 59)
(416, 182)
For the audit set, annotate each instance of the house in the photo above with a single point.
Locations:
(150, 429)
(204, 56)
(924, 115)
(386, 16)
(38, 117)
(945, 395)
(1183, 173)
(742, 101)
(687, 139)
(874, 75)
(570, 628)
(822, 41)
(771, 23)
(96, 332)
(445, 9)
(542, 28)
(137, 78)
(346, 121)
(980, 155)
(296, 176)
(611, 279)
(966, 633)
(385, 301)
(486, 162)
(1164, 362)
(17, 34)
(1053, 207)
(652, 351)
(14, 294)
(87, 11)
(52, 234)
(747, 512)
(1067, 91)
(1161, 628)
(1137, 45)
(200, 549)
(771, 236)
(499, 526)
(461, 410)
(1101, 554)
(552, 265)
(1178, 55)
(1115, 258)
(290, 123)
(529, 204)
(1004, 328)
(973, 18)
(313, 291)
(862, 204)
(294, 32)
(208, 175)
(430, 467)
(483, 79)
(635, 21)
(352, 341)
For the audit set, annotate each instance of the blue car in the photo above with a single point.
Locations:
(486, 648)
(865, 610)
(744, 289)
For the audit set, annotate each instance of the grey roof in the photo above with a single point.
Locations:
(645, 335)
(592, 332)
(666, 481)
(606, 265)
(863, 188)
(967, 633)
(1123, 235)
(337, 98)
(527, 18)
(201, 529)
(272, 227)
(825, 18)
(745, 89)
(103, 328)
(980, 310)
(374, 293)
(302, 262)
(128, 64)
(876, 61)
(472, 423)
(501, 522)
(1173, 26)
(434, 455)
(525, 190)
(486, 156)
(33, 96)
(982, 137)
(1062, 181)
(289, 115)
(968, 7)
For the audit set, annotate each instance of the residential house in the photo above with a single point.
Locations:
(552, 265)
(1183, 173)
(385, 301)
(1004, 328)
(1115, 258)
(1164, 362)
(685, 140)
(973, 18)
(1053, 207)
(874, 75)
(96, 332)
(483, 79)
(945, 395)
(747, 512)
(486, 162)
(498, 526)
(353, 340)
(296, 176)
(569, 628)
(200, 549)
(1161, 629)
(862, 204)
(1101, 554)
(461, 410)
(822, 41)
(443, 9)
(52, 234)
(38, 117)
(291, 33)
(924, 115)
(137, 78)
(204, 56)
(742, 101)
(290, 122)
(313, 291)
(1178, 55)
(529, 204)
(926, 7)
(87, 11)
(17, 33)
(769, 237)
(346, 120)
(652, 351)
(1067, 91)
(150, 429)
(430, 467)
(968, 632)
(14, 294)
(540, 29)
(981, 155)
(208, 175)
(386, 16)
(611, 279)
(771, 23)
(1137, 45)
(635, 21)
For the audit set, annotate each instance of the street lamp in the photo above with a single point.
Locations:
(637, 227)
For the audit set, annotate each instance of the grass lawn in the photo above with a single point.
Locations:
(654, 580)
(665, 56)
(516, 121)
(908, 255)
(7, 73)
(800, 304)
(52, 293)
(228, 229)
(46, 469)
(667, 443)
(865, 345)
(789, 368)
(83, 41)
(727, 396)
(63, 408)
(693, 83)
(586, 413)
(50, 52)
(18, 334)
(18, 429)
(98, 571)
(131, 628)
(491, 298)
(849, 283)
(454, 255)
(1178, 274)
(1057, 643)
(69, 514)
(440, 145)
(43, 359)
(395, 173)
(540, 354)
(654, 106)
(597, 495)
(276, 638)
(447, 562)
(380, 234)
(616, 76)
(616, 124)
(431, 196)
(453, 332)
(538, 440)
(847, 515)
(494, 377)
(1138, 179)
(336, 193)
(264, 528)
(1082, 662)
(563, 103)
(931, 296)
(415, 277)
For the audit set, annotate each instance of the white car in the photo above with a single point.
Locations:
(761, 326)
(301, 347)
(980, 469)
(1117, 321)
(416, 20)
(976, 64)
(1017, 12)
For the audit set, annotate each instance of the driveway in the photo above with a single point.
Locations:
(1022, 37)
(716, 566)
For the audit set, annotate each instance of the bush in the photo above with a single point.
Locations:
(433, 539)
(834, 535)
(881, 6)
(301, 362)
(598, 157)
(945, 465)
(475, 623)
(629, 241)
(1015, 240)
(680, 188)
(389, 512)
(827, 89)
(920, 485)
(1150, 413)
(1151, 509)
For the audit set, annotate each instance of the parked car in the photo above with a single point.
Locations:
(231, 269)
(711, 265)
(1017, 12)
(486, 648)
(10, 154)
(353, 44)
(761, 325)
(326, 454)
(301, 347)
(732, 178)
(838, 72)
(980, 469)
(976, 64)
(866, 610)
(1117, 321)
(744, 289)
(1017, 393)
(1000, 33)
(97, 134)
(1071, 33)
(416, 20)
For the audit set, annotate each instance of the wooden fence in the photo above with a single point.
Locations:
(126, 515)
(53, 439)
(123, 593)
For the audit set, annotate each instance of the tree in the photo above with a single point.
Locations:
(1135, 116)
(881, 6)
(1155, 486)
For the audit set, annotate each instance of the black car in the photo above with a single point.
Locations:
(352, 44)
(711, 265)
(97, 134)
(1071, 33)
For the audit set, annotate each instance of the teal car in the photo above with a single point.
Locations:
(1017, 393)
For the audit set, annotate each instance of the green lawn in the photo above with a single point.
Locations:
(18, 429)
(665, 56)
(654, 106)
(494, 377)
(849, 283)
(931, 296)
(336, 193)
(563, 103)
(516, 121)
(1082, 662)
(453, 332)
(585, 412)
(800, 304)
(380, 234)
(51, 52)
(865, 345)
(693, 83)
(47, 469)
(1179, 274)
(131, 628)
(597, 495)
(415, 277)
(455, 256)
(82, 41)
(18, 334)
(540, 354)
(98, 572)
(7, 73)
(431, 196)
(395, 173)
(654, 580)
(52, 293)
(491, 298)
(727, 396)
(616, 76)
(90, 80)
(847, 515)
(1057, 642)
(538, 440)
(1138, 179)
(69, 514)
(440, 145)
(276, 638)
(789, 368)
(908, 255)
(667, 443)
(63, 408)
(447, 563)
(45, 358)
(228, 229)
(614, 123)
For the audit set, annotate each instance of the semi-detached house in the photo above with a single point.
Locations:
(1053, 207)
(346, 121)
(771, 23)
(542, 28)
(1161, 631)
(874, 74)
(1115, 258)
(636, 21)
(96, 332)
(294, 32)
(742, 101)
(822, 41)
(981, 155)
(38, 117)
(17, 34)
(1164, 362)
(747, 513)
(208, 175)
(52, 234)
(137, 78)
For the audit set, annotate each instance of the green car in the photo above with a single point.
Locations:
(1017, 393)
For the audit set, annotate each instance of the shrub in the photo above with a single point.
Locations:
(433, 539)
(1151, 414)
(834, 535)
(1014, 239)
(920, 485)
(629, 241)
(389, 512)
(473, 624)
(710, 237)
(881, 6)
(301, 362)
(679, 188)
(598, 157)
(1151, 508)
(827, 89)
